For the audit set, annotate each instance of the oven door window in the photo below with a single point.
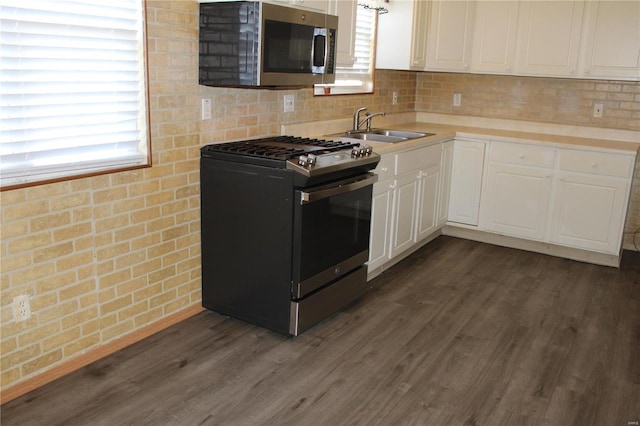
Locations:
(329, 231)
(287, 47)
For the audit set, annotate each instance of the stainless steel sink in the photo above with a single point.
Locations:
(384, 135)
(376, 137)
(400, 133)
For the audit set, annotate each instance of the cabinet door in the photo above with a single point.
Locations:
(549, 37)
(494, 41)
(516, 201)
(346, 10)
(445, 182)
(589, 212)
(380, 224)
(317, 5)
(405, 199)
(395, 35)
(450, 30)
(428, 206)
(612, 41)
(466, 181)
(419, 34)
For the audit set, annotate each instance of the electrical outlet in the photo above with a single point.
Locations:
(289, 103)
(206, 109)
(21, 308)
(597, 110)
(394, 98)
(457, 99)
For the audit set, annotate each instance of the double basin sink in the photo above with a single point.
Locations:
(383, 135)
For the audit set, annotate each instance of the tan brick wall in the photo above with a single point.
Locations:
(107, 255)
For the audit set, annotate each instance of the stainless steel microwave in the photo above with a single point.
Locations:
(257, 44)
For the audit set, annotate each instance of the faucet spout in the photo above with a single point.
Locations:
(356, 118)
(368, 118)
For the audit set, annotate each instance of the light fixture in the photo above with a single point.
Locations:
(377, 5)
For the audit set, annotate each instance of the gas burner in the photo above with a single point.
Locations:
(279, 147)
(305, 156)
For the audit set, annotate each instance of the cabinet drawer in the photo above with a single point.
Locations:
(596, 163)
(524, 155)
(385, 169)
(418, 158)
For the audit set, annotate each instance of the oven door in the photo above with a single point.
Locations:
(331, 232)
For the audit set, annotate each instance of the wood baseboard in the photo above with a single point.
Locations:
(93, 355)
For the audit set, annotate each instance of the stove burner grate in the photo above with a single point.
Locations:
(279, 147)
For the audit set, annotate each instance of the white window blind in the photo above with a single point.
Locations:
(360, 74)
(357, 78)
(72, 88)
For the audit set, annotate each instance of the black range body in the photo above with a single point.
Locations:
(285, 229)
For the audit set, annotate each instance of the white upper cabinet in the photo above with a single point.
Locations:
(402, 35)
(494, 40)
(612, 40)
(320, 5)
(450, 30)
(346, 11)
(419, 34)
(549, 37)
(561, 38)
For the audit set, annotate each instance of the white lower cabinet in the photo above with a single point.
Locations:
(428, 202)
(406, 208)
(569, 197)
(446, 164)
(516, 201)
(518, 190)
(590, 202)
(466, 181)
(380, 224)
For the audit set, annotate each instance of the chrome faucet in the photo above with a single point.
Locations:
(368, 118)
(356, 119)
(357, 123)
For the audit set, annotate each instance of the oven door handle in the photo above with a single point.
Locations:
(339, 188)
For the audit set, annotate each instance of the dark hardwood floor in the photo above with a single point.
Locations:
(460, 333)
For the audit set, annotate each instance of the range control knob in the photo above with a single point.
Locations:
(303, 160)
(355, 151)
(312, 159)
(367, 149)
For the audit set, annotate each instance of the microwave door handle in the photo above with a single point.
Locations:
(319, 48)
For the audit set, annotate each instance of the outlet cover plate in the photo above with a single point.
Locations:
(21, 308)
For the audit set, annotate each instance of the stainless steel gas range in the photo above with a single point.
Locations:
(285, 229)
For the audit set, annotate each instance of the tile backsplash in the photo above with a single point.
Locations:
(551, 100)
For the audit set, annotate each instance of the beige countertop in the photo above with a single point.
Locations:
(627, 142)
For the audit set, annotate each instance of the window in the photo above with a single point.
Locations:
(357, 78)
(73, 98)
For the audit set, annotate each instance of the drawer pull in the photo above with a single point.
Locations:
(521, 156)
(384, 169)
(594, 165)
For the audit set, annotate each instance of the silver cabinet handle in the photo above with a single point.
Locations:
(337, 189)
